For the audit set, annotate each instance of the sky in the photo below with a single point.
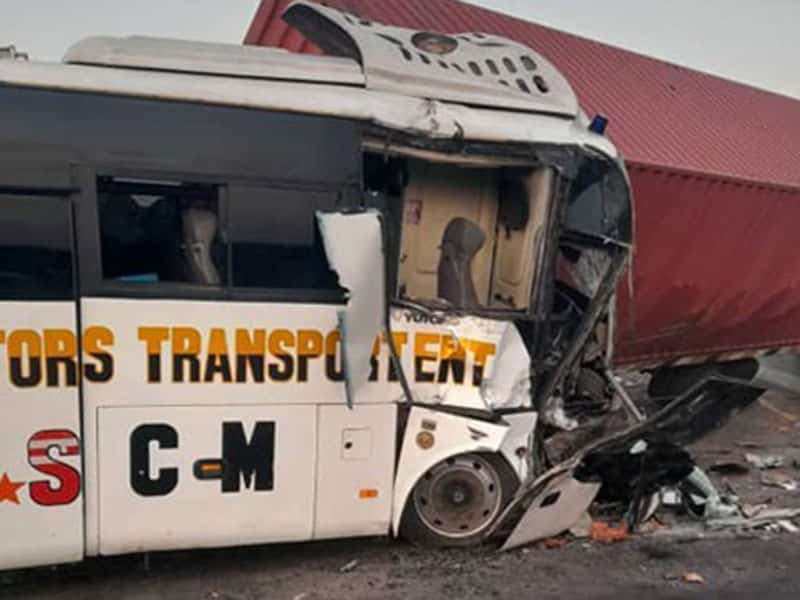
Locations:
(754, 41)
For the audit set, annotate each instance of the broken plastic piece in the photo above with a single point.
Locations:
(604, 533)
(779, 480)
(764, 461)
(695, 578)
(671, 497)
(354, 247)
(703, 501)
(763, 518)
(349, 566)
(553, 510)
(788, 526)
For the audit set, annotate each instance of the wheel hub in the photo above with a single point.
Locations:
(459, 497)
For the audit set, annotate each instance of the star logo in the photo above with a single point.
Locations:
(9, 489)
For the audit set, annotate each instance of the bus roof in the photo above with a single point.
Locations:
(470, 68)
(370, 80)
(180, 56)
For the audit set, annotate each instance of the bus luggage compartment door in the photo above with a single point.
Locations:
(200, 476)
(357, 449)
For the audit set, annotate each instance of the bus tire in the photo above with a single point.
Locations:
(457, 500)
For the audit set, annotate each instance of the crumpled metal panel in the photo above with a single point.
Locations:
(354, 247)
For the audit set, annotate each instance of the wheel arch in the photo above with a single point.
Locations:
(452, 435)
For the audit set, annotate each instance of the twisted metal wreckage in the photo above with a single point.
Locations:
(551, 403)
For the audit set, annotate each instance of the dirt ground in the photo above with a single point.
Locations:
(644, 566)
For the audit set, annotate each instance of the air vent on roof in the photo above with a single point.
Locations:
(528, 63)
(541, 84)
(470, 68)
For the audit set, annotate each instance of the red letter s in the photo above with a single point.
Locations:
(67, 444)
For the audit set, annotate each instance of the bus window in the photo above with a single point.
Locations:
(35, 248)
(160, 232)
(275, 241)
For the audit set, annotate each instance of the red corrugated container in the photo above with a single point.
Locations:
(715, 167)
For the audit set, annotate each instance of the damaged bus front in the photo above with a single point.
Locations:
(506, 227)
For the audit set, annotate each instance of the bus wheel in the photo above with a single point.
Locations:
(457, 500)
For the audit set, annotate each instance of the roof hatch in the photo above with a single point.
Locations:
(468, 68)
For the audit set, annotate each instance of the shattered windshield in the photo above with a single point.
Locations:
(599, 204)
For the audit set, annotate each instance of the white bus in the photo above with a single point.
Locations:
(248, 296)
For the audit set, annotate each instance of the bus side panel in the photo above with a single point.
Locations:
(160, 488)
(357, 450)
(41, 509)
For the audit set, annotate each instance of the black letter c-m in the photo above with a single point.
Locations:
(167, 479)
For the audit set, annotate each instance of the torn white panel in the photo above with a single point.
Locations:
(518, 441)
(554, 510)
(354, 247)
(509, 385)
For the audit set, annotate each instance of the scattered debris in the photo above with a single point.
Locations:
(753, 510)
(349, 566)
(779, 480)
(213, 595)
(788, 526)
(703, 501)
(604, 533)
(763, 518)
(671, 497)
(554, 543)
(729, 468)
(695, 578)
(764, 461)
